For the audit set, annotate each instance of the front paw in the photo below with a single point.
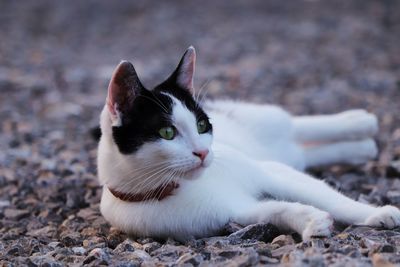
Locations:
(319, 224)
(386, 216)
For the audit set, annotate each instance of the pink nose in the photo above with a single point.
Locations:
(202, 154)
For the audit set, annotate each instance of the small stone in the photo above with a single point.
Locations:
(115, 238)
(54, 245)
(277, 253)
(378, 260)
(387, 249)
(125, 246)
(393, 170)
(189, 258)
(79, 250)
(231, 228)
(46, 231)
(75, 199)
(393, 196)
(71, 239)
(283, 240)
(268, 260)
(4, 203)
(150, 247)
(97, 253)
(94, 242)
(15, 250)
(229, 254)
(371, 244)
(140, 254)
(15, 214)
(260, 232)
(44, 260)
(196, 243)
(343, 236)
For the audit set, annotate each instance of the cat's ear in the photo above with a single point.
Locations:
(124, 87)
(183, 74)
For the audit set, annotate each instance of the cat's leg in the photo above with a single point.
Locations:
(347, 152)
(267, 124)
(305, 220)
(286, 183)
(347, 125)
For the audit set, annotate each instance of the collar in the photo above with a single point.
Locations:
(159, 193)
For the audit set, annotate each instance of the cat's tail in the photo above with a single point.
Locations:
(95, 132)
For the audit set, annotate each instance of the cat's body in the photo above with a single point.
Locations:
(221, 180)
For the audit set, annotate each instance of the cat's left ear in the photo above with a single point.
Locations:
(184, 73)
(124, 87)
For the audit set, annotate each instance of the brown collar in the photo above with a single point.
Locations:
(156, 194)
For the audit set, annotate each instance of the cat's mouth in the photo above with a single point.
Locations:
(195, 171)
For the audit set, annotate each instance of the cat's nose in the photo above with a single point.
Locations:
(202, 154)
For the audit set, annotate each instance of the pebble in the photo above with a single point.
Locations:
(97, 253)
(79, 250)
(4, 203)
(393, 196)
(260, 232)
(16, 214)
(393, 170)
(282, 240)
(279, 252)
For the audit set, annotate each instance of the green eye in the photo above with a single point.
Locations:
(202, 126)
(167, 133)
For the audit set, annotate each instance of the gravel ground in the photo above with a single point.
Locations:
(308, 56)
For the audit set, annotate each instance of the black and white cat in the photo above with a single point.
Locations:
(173, 168)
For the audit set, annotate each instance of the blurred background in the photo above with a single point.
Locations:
(310, 56)
(56, 58)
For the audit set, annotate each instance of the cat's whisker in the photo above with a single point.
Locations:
(145, 174)
(155, 102)
(172, 172)
(171, 166)
(201, 89)
(131, 192)
(163, 183)
(159, 101)
(152, 174)
(171, 177)
(148, 167)
(137, 178)
(205, 85)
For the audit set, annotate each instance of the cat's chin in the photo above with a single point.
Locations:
(194, 173)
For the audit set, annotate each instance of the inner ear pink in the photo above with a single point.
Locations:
(113, 90)
(122, 88)
(186, 70)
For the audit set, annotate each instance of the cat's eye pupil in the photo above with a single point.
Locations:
(202, 126)
(167, 133)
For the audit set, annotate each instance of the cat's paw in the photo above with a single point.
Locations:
(386, 216)
(358, 123)
(319, 224)
(363, 151)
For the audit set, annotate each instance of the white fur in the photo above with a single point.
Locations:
(256, 148)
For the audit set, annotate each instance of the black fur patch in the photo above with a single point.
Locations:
(152, 110)
(185, 97)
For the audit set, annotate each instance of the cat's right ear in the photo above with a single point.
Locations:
(124, 87)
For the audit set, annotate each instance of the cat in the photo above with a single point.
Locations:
(171, 166)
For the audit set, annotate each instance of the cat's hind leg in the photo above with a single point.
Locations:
(284, 182)
(347, 152)
(305, 220)
(348, 125)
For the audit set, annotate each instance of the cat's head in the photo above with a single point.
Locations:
(157, 132)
